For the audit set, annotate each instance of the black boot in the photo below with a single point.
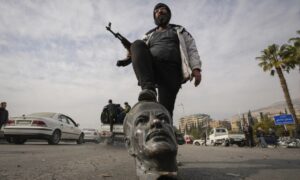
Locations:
(147, 95)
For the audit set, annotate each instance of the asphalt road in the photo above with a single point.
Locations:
(69, 161)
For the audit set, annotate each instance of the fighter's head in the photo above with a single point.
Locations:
(161, 14)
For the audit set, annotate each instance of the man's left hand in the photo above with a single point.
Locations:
(197, 74)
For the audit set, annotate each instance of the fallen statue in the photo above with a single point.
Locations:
(150, 139)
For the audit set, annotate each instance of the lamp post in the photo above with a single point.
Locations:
(182, 108)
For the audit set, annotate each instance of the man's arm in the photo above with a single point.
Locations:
(194, 58)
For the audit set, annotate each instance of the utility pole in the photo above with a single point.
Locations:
(182, 106)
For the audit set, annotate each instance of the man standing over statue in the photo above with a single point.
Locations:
(165, 58)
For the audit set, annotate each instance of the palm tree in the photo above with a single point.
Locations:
(273, 59)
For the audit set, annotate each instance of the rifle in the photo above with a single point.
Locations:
(126, 44)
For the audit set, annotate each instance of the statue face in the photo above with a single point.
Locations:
(149, 130)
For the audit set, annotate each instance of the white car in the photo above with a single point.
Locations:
(91, 135)
(52, 127)
(199, 142)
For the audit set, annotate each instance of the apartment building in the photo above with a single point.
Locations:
(195, 120)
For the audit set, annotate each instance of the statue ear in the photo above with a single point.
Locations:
(129, 147)
(127, 142)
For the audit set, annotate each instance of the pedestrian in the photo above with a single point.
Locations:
(165, 58)
(260, 134)
(3, 114)
(246, 133)
(112, 113)
(204, 137)
(127, 107)
(272, 138)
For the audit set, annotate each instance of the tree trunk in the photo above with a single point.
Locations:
(288, 99)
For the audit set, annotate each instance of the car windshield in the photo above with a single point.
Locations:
(220, 130)
(49, 115)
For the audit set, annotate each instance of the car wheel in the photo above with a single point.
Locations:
(197, 144)
(18, 140)
(55, 138)
(241, 144)
(97, 141)
(9, 140)
(80, 139)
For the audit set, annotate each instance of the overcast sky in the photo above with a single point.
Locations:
(56, 56)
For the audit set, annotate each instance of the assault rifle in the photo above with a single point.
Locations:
(126, 44)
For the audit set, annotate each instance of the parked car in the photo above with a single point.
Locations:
(49, 126)
(199, 142)
(91, 135)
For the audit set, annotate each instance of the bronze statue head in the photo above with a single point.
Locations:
(150, 139)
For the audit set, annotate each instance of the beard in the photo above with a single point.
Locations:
(162, 20)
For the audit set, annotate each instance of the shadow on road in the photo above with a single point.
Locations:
(222, 170)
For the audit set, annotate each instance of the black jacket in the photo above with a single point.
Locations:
(3, 115)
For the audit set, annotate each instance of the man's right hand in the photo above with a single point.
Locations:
(197, 74)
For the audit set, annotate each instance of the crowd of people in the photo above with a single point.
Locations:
(114, 113)
(263, 139)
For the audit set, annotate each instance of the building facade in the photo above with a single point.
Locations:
(195, 120)
(218, 123)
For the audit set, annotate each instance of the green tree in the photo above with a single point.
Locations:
(250, 118)
(195, 132)
(267, 123)
(293, 52)
(185, 129)
(273, 59)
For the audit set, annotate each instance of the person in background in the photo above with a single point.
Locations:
(260, 134)
(127, 107)
(112, 113)
(3, 114)
(204, 137)
(272, 138)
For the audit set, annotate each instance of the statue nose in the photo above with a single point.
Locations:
(156, 123)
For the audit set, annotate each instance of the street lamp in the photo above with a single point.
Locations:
(182, 107)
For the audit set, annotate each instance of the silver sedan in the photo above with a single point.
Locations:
(91, 135)
(49, 126)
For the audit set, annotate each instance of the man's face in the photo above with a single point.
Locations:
(3, 105)
(161, 16)
(151, 132)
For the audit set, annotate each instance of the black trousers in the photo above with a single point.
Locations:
(152, 73)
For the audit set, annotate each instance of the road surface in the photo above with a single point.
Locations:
(69, 161)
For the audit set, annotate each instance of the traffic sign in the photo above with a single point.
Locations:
(283, 119)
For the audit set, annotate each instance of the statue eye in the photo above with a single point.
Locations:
(141, 120)
(163, 118)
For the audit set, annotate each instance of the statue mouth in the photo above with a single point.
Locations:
(158, 135)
